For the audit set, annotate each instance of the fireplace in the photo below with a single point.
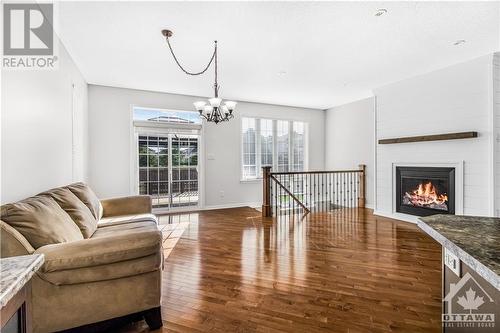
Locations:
(425, 191)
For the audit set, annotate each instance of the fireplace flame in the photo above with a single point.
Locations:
(426, 194)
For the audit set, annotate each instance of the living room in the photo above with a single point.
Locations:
(250, 166)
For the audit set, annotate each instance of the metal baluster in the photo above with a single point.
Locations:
(276, 199)
(349, 193)
(271, 195)
(352, 190)
(330, 190)
(327, 175)
(344, 189)
(318, 191)
(356, 176)
(318, 176)
(302, 188)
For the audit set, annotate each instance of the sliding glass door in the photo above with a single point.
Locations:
(168, 168)
(184, 171)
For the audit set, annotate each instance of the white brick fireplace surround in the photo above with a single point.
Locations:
(454, 99)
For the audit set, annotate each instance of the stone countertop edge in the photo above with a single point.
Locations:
(20, 281)
(468, 259)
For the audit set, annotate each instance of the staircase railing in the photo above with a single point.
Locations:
(306, 191)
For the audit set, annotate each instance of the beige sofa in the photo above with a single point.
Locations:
(103, 259)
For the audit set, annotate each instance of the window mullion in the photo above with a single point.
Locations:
(290, 146)
(275, 145)
(258, 161)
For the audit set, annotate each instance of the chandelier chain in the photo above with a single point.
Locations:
(214, 56)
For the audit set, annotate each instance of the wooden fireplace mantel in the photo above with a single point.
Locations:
(434, 137)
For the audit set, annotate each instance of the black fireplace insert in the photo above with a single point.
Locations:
(425, 191)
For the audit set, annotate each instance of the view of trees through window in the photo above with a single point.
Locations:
(276, 143)
(168, 169)
(167, 155)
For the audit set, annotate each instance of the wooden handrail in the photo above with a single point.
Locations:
(316, 172)
(291, 194)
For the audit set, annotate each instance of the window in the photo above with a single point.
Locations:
(280, 144)
(298, 146)
(166, 116)
(266, 142)
(166, 164)
(282, 139)
(249, 148)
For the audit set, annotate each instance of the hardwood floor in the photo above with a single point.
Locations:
(348, 271)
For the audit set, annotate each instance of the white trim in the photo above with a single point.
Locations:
(157, 128)
(134, 146)
(251, 180)
(175, 210)
(233, 205)
(201, 164)
(192, 209)
(375, 153)
(166, 125)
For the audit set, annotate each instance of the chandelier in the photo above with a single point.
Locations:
(216, 110)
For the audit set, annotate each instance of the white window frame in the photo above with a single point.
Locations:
(258, 147)
(152, 128)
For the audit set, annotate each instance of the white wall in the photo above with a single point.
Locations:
(37, 129)
(454, 99)
(110, 155)
(350, 140)
(496, 129)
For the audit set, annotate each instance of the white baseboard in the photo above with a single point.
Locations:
(233, 205)
(397, 216)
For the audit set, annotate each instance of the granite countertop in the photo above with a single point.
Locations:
(15, 272)
(475, 240)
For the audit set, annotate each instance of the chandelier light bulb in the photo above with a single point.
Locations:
(207, 108)
(230, 105)
(215, 102)
(199, 105)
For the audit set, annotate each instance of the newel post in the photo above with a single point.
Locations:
(266, 191)
(362, 179)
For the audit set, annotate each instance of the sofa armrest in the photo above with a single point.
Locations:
(12, 242)
(100, 251)
(137, 204)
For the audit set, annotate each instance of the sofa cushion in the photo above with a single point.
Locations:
(75, 208)
(95, 251)
(124, 229)
(41, 221)
(134, 204)
(114, 220)
(115, 270)
(88, 197)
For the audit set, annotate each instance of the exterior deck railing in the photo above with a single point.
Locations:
(291, 192)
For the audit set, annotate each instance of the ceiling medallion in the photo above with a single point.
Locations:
(215, 110)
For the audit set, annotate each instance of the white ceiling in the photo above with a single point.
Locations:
(332, 52)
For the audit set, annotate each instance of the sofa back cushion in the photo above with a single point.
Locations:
(75, 208)
(88, 197)
(41, 221)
